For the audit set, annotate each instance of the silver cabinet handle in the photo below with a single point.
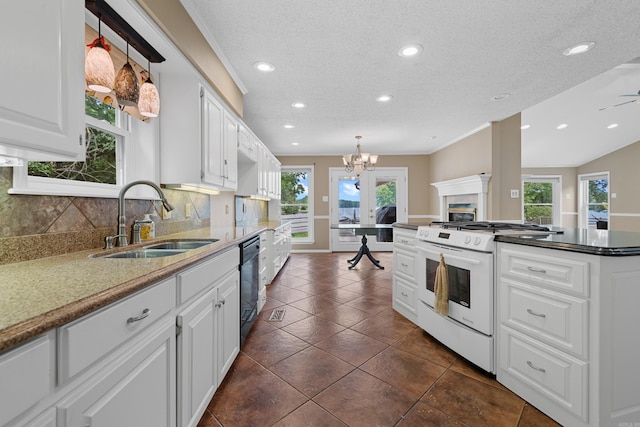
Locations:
(533, 313)
(404, 265)
(406, 242)
(532, 366)
(537, 270)
(220, 303)
(403, 294)
(145, 313)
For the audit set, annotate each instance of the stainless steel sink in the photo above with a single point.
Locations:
(181, 244)
(144, 253)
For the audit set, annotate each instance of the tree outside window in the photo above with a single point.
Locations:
(100, 162)
(538, 202)
(295, 201)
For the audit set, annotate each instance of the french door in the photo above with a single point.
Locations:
(375, 197)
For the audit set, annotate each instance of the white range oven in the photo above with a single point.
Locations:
(468, 250)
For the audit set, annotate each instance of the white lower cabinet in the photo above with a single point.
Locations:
(137, 388)
(568, 340)
(154, 358)
(404, 273)
(208, 342)
(27, 376)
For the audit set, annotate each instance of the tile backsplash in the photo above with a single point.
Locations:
(37, 226)
(250, 212)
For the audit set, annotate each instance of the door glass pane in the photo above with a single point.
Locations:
(348, 206)
(538, 202)
(386, 198)
(598, 206)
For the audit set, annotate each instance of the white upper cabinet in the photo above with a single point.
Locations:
(212, 140)
(198, 137)
(42, 85)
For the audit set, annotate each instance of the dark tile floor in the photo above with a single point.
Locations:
(342, 356)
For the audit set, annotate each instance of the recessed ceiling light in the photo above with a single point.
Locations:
(562, 126)
(298, 105)
(295, 143)
(500, 96)
(384, 98)
(263, 66)
(612, 126)
(525, 127)
(289, 126)
(410, 50)
(579, 48)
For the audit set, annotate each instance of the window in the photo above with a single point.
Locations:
(541, 200)
(594, 200)
(102, 172)
(296, 201)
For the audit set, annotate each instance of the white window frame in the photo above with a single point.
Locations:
(583, 197)
(310, 239)
(23, 183)
(556, 198)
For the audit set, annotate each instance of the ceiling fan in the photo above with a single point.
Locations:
(622, 103)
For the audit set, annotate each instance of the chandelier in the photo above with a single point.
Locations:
(359, 161)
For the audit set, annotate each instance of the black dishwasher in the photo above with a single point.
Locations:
(249, 281)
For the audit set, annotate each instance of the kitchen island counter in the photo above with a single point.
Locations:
(587, 241)
(42, 294)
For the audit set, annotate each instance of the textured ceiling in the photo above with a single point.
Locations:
(337, 56)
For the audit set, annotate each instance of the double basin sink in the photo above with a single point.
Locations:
(158, 250)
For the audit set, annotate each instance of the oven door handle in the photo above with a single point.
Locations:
(447, 256)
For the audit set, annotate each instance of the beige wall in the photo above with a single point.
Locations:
(569, 178)
(418, 187)
(469, 156)
(505, 170)
(176, 23)
(623, 166)
(494, 150)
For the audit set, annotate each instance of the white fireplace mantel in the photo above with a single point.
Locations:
(473, 185)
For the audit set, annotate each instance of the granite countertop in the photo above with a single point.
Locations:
(587, 241)
(39, 295)
(408, 226)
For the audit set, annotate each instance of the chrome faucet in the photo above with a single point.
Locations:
(122, 219)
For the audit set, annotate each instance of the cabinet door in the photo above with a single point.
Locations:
(42, 102)
(230, 167)
(212, 140)
(229, 322)
(137, 389)
(197, 380)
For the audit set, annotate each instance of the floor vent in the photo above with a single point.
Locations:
(277, 315)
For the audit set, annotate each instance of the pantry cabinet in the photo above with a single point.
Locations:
(42, 102)
(198, 136)
(567, 342)
(404, 273)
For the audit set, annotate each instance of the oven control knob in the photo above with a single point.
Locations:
(477, 241)
(467, 240)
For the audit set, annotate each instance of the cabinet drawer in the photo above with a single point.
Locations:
(555, 375)
(404, 263)
(89, 338)
(404, 293)
(556, 272)
(203, 275)
(404, 239)
(559, 320)
(26, 376)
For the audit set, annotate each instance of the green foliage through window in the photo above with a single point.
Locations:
(538, 202)
(100, 162)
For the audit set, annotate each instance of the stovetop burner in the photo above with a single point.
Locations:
(487, 226)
